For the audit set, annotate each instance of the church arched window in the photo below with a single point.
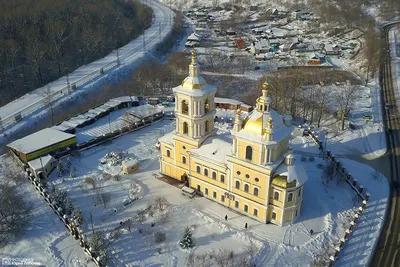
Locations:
(185, 107)
(185, 128)
(249, 153)
(276, 195)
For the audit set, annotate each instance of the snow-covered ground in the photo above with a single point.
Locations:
(129, 55)
(46, 242)
(274, 246)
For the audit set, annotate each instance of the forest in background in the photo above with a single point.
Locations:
(42, 40)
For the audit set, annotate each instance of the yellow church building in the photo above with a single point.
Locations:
(250, 170)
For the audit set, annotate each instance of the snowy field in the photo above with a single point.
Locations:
(272, 245)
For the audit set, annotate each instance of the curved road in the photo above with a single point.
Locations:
(129, 54)
(388, 250)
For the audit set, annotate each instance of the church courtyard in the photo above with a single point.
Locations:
(326, 209)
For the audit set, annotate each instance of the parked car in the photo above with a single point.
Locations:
(367, 117)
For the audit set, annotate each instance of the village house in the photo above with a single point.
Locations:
(250, 170)
(259, 47)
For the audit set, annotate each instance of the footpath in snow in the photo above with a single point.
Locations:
(130, 54)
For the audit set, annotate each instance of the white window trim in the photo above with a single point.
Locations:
(244, 184)
(292, 197)
(167, 149)
(208, 172)
(258, 188)
(240, 184)
(238, 206)
(216, 175)
(197, 165)
(253, 212)
(244, 208)
(279, 195)
(221, 179)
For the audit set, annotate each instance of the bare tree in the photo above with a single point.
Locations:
(14, 214)
(161, 203)
(90, 180)
(329, 172)
(48, 97)
(103, 198)
(345, 98)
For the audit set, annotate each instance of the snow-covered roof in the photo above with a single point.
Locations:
(40, 139)
(37, 164)
(198, 92)
(61, 127)
(294, 172)
(144, 110)
(167, 138)
(227, 101)
(215, 148)
(194, 37)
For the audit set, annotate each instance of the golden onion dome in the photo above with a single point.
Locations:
(194, 53)
(254, 124)
(265, 86)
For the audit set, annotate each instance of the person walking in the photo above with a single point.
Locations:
(226, 217)
(245, 226)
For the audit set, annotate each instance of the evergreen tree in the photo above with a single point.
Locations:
(187, 240)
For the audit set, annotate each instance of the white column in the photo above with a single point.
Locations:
(199, 108)
(177, 125)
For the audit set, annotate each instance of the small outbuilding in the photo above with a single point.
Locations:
(42, 166)
(42, 143)
(130, 166)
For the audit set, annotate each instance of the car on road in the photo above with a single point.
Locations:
(367, 117)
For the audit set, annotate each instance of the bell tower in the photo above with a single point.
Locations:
(194, 106)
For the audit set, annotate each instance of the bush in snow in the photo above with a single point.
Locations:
(187, 240)
(224, 258)
(160, 237)
(60, 169)
(311, 159)
(62, 200)
(200, 260)
(161, 203)
(77, 214)
(72, 173)
(116, 177)
(90, 181)
(303, 158)
(100, 245)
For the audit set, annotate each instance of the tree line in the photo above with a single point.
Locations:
(42, 40)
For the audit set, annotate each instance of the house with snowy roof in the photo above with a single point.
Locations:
(250, 170)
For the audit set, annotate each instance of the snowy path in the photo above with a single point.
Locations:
(129, 54)
(46, 241)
